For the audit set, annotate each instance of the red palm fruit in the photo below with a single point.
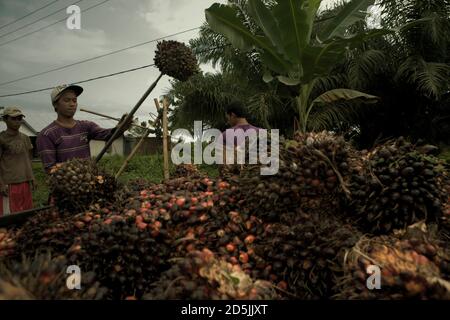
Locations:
(243, 257)
(234, 260)
(230, 247)
(282, 285)
(249, 239)
(180, 202)
(79, 224)
(141, 225)
(157, 224)
(223, 185)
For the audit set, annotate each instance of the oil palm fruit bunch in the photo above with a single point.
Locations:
(48, 230)
(44, 277)
(397, 186)
(136, 185)
(303, 253)
(125, 257)
(407, 270)
(175, 59)
(7, 242)
(200, 276)
(311, 171)
(78, 183)
(186, 170)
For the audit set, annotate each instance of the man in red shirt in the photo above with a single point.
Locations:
(16, 174)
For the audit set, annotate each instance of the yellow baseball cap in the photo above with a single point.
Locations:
(58, 90)
(12, 112)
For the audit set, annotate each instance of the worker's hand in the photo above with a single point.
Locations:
(4, 190)
(127, 124)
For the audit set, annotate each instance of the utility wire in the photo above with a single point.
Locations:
(29, 14)
(35, 21)
(78, 82)
(92, 79)
(97, 57)
(48, 26)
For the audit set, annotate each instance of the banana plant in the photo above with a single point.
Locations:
(287, 49)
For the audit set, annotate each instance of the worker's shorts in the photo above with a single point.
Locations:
(19, 198)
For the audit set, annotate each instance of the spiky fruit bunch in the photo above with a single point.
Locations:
(200, 276)
(175, 59)
(397, 186)
(311, 170)
(302, 254)
(409, 270)
(125, 257)
(43, 277)
(7, 242)
(186, 170)
(78, 183)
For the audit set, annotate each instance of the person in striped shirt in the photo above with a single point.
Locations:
(67, 138)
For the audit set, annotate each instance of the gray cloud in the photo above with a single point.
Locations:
(111, 26)
(114, 25)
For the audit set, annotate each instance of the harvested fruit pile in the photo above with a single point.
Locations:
(7, 242)
(396, 187)
(200, 276)
(309, 177)
(43, 277)
(294, 235)
(413, 267)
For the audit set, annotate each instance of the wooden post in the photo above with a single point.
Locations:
(133, 152)
(165, 142)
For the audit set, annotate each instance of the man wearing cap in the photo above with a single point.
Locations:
(16, 174)
(67, 138)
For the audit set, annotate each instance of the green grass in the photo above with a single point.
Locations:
(146, 167)
(445, 154)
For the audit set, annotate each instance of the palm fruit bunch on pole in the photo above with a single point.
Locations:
(44, 277)
(175, 59)
(397, 186)
(415, 266)
(78, 183)
(202, 276)
(302, 254)
(311, 174)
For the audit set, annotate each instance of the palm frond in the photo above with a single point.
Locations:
(338, 116)
(363, 68)
(430, 78)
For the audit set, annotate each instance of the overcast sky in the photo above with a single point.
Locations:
(111, 26)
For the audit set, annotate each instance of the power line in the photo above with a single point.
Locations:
(97, 57)
(35, 21)
(82, 81)
(97, 78)
(29, 14)
(52, 24)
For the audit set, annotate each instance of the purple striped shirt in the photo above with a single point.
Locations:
(57, 144)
